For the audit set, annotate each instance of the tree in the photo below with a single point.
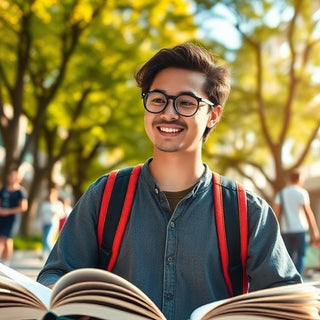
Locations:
(60, 61)
(275, 93)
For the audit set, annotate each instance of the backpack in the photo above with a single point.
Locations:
(230, 215)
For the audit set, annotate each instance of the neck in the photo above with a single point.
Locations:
(13, 186)
(174, 171)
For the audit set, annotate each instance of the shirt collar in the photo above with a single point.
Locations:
(203, 183)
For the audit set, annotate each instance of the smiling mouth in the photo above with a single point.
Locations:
(169, 130)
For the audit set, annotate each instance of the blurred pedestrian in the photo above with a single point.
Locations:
(296, 218)
(13, 201)
(67, 208)
(51, 211)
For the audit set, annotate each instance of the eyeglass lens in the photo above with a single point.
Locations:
(185, 105)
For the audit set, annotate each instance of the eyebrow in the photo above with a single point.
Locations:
(179, 93)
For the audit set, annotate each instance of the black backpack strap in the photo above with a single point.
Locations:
(232, 232)
(114, 213)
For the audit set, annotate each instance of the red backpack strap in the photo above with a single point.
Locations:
(232, 232)
(105, 204)
(114, 213)
(243, 219)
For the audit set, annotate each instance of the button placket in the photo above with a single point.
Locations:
(170, 271)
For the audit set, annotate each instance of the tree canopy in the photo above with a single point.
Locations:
(67, 68)
(272, 117)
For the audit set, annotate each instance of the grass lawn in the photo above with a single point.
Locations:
(27, 243)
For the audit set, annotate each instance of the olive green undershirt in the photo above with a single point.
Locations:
(174, 197)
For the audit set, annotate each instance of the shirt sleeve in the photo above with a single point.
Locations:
(77, 245)
(268, 263)
(277, 198)
(306, 199)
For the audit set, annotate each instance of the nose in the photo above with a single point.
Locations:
(170, 112)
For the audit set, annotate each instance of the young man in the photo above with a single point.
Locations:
(170, 247)
(292, 207)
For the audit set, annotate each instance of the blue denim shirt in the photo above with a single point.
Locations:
(173, 257)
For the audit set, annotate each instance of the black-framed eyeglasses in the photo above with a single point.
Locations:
(185, 104)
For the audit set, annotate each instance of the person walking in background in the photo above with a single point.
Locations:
(67, 208)
(13, 201)
(51, 211)
(296, 218)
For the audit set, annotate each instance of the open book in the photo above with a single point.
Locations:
(103, 295)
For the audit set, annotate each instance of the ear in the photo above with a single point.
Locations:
(215, 116)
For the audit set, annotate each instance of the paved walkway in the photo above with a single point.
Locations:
(27, 262)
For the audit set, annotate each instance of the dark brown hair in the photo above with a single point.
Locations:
(295, 176)
(191, 57)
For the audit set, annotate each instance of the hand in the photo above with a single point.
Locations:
(315, 241)
(4, 211)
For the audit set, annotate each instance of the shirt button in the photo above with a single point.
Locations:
(156, 190)
(172, 224)
(170, 259)
(169, 296)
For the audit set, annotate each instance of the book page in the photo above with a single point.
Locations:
(97, 311)
(12, 292)
(89, 277)
(297, 301)
(21, 312)
(239, 317)
(78, 291)
(38, 290)
(107, 303)
(109, 288)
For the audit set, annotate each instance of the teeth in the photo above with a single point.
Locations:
(170, 130)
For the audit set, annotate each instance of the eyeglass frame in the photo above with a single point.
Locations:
(144, 96)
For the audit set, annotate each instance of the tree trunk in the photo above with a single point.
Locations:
(35, 196)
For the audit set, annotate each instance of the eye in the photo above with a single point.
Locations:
(157, 98)
(187, 102)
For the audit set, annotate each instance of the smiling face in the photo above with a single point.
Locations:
(170, 132)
